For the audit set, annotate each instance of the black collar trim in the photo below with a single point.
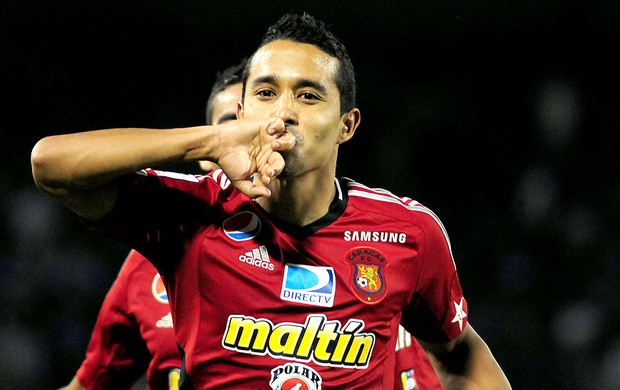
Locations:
(336, 209)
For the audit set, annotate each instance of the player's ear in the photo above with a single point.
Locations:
(348, 124)
(239, 110)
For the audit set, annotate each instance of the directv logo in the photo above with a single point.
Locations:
(309, 285)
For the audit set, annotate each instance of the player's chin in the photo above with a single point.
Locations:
(285, 174)
(291, 170)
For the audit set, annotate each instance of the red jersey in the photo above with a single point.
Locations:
(260, 303)
(413, 369)
(133, 333)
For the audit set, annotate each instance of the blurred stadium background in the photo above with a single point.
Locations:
(502, 117)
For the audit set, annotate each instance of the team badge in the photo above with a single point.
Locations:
(368, 265)
(242, 226)
(159, 290)
(294, 376)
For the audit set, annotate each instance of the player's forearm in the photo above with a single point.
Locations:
(481, 367)
(467, 363)
(85, 161)
(473, 382)
(80, 169)
(486, 373)
(73, 385)
(481, 372)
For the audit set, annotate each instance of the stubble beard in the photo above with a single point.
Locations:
(292, 166)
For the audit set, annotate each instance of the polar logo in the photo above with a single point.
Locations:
(294, 376)
(242, 226)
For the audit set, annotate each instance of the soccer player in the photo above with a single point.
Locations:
(279, 274)
(117, 363)
(133, 334)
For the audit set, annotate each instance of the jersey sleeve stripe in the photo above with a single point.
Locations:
(177, 176)
(356, 189)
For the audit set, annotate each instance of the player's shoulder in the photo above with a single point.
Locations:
(382, 205)
(382, 201)
(135, 263)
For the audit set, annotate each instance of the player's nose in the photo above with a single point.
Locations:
(286, 108)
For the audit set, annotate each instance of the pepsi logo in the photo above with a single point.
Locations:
(159, 289)
(242, 226)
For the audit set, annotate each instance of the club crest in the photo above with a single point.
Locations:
(368, 265)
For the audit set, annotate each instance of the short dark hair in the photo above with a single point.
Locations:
(223, 79)
(307, 29)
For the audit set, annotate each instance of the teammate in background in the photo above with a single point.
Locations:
(279, 274)
(133, 334)
(413, 370)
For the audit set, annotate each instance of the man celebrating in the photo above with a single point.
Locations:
(279, 274)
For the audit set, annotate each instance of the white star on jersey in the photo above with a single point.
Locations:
(460, 314)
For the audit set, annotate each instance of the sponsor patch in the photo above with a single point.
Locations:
(295, 376)
(368, 265)
(242, 226)
(327, 343)
(159, 290)
(372, 236)
(407, 379)
(309, 285)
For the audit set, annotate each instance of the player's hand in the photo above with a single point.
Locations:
(247, 147)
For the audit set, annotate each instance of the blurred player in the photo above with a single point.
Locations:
(413, 370)
(133, 334)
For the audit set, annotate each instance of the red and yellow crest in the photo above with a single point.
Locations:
(368, 265)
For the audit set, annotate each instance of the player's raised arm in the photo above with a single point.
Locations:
(80, 169)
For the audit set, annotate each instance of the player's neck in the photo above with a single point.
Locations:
(300, 201)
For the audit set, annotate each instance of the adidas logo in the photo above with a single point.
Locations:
(258, 257)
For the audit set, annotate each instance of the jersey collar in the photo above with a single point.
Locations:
(336, 208)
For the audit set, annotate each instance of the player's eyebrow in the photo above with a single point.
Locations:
(231, 116)
(301, 83)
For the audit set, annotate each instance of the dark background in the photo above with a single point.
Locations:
(500, 116)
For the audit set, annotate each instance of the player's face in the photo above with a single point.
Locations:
(224, 110)
(296, 82)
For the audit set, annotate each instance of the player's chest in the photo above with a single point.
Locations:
(245, 255)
